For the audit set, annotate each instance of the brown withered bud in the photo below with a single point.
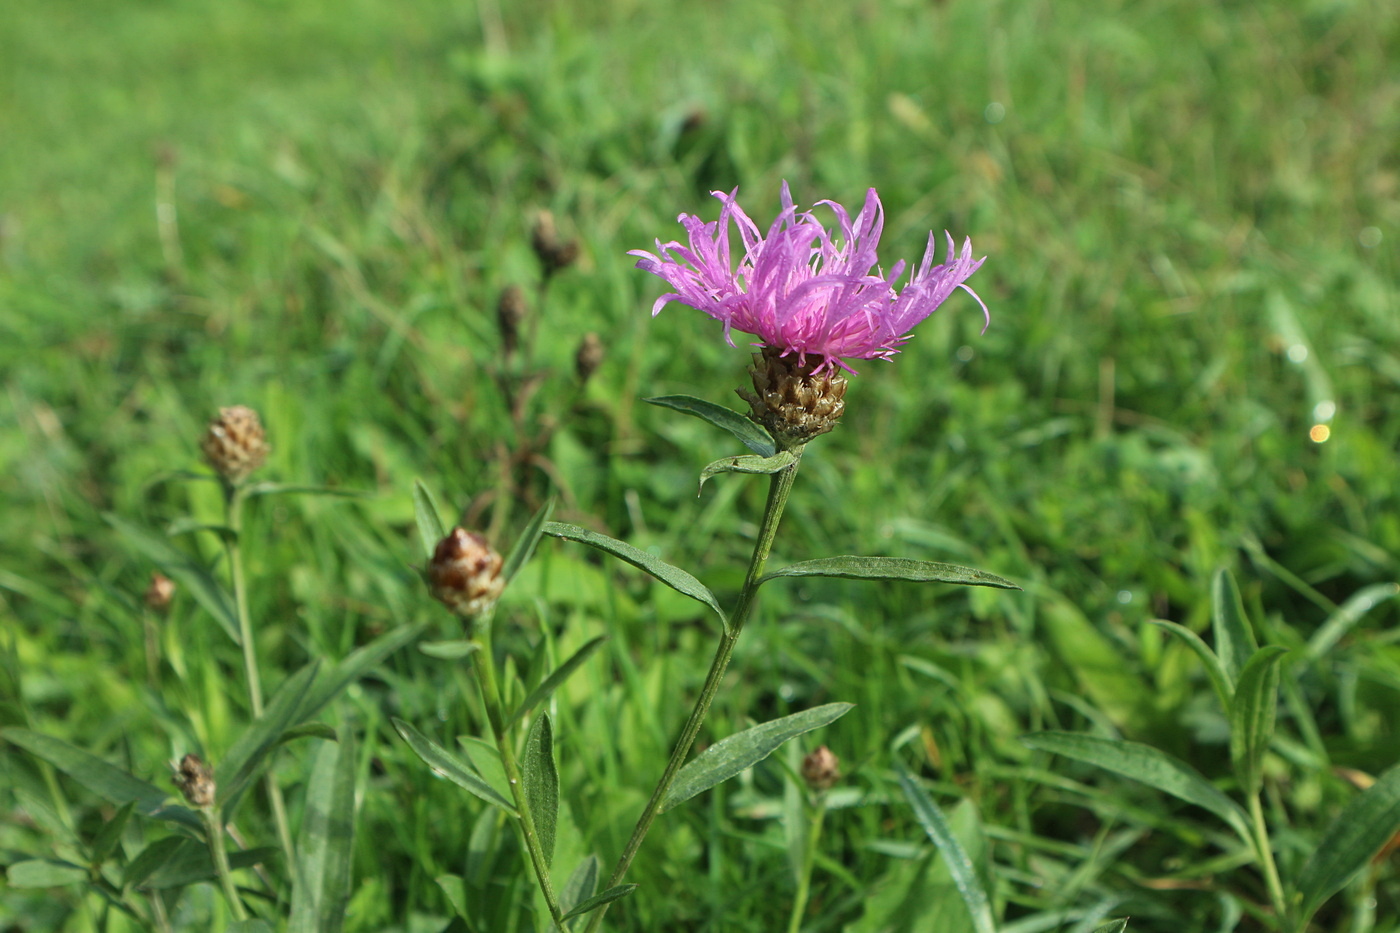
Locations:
(195, 781)
(511, 311)
(465, 573)
(589, 357)
(554, 254)
(821, 769)
(792, 403)
(160, 593)
(234, 443)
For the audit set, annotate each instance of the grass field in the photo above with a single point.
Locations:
(1191, 214)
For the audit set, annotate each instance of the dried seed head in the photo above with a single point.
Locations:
(465, 573)
(510, 314)
(195, 780)
(554, 254)
(821, 769)
(234, 443)
(792, 403)
(160, 593)
(589, 356)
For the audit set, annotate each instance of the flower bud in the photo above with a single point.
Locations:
(234, 444)
(821, 769)
(790, 401)
(510, 314)
(589, 356)
(553, 253)
(465, 573)
(160, 593)
(195, 780)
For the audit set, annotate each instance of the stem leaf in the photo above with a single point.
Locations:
(555, 679)
(748, 463)
(598, 900)
(524, 545)
(189, 863)
(1365, 824)
(354, 666)
(964, 873)
(1252, 715)
(1113, 926)
(1345, 618)
(674, 577)
(1219, 678)
(541, 783)
(729, 756)
(428, 517)
(321, 885)
(276, 489)
(450, 766)
(1147, 765)
(749, 434)
(1234, 638)
(44, 873)
(891, 568)
(243, 760)
(582, 884)
(453, 650)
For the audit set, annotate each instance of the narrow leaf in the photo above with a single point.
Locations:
(964, 873)
(450, 766)
(598, 900)
(1365, 824)
(307, 730)
(277, 489)
(249, 926)
(321, 886)
(542, 783)
(1345, 618)
(727, 757)
(111, 833)
(582, 884)
(1252, 715)
(44, 873)
(749, 463)
(749, 434)
(244, 760)
(1234, 638)
(1145, 764)
(106, 781)
(428, 517)
(1215, 670)
(184, 570)
(355, 665)
(554, 680)
(1113, 926)
(190, 863)
(891, 568)
(449, 650)
(674, 577)
(150, 860)
(525, 544)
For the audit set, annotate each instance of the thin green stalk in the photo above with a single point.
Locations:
(491, 699)
(1266, 859)
(809, 859)
(779, 487)
(214, 834)
(233, 543)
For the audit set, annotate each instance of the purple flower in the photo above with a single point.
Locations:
(805, 289)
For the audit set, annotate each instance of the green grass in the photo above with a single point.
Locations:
(1190, 213)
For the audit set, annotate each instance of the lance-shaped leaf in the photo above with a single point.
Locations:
(355, 665)
(891, 568)
(674, 577)
(749, 463)
(278, 489)
(321, 886)
(111, 833)
(249, 926)
(598, 900)
(964, 873)
(749, 434)
(428, 517)
(44, 873)
(243, 761)
(542, 783)
(1234, 638)
(1365, 824)
(1148, 765)
(1219, 678)
(150, 860)
(1347, 615)
(1252, 715)
(450, 766)
(582, 884)
(1113, 926)
(525, 544)
(184, 570)
(552, 682)
(106, 781)
(190, 863)
(727, 757)
(453, 650)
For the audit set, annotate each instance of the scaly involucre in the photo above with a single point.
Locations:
(802, 288)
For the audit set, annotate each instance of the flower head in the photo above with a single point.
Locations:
(803, 289)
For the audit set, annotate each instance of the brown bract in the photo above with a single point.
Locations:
(465, 573)
(821, 769)
(794, 405)
(234, 443)
(195, 779)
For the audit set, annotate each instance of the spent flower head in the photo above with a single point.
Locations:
(803, 289)
(234, 443)
(465, 573)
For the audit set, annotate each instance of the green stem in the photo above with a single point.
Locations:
(525, 824)
(780, 486)
(809, 858)
(1266, 858)
(214, 835)
(233, 502)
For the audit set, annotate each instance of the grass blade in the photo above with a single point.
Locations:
(1365, 824)
(1234, 638)
(245, 757)
(355, 665)
(749, 434)
(959, 865)
(891, 568)
(553, 681)
(1253, 714)
(1345, 618)
(450, 766)
(542, 783)
(184, 570)
(525, 544)
(428, 517)
(727, 757)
